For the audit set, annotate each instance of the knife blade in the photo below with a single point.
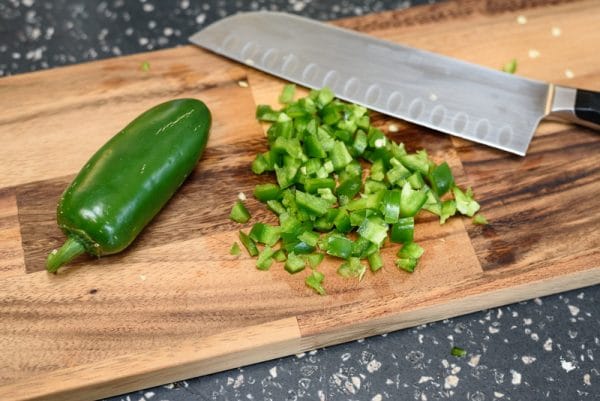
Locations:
(449, 95)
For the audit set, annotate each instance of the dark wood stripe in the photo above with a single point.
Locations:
(416, 16)
(440, 12)
(541, 206)
(573, 139)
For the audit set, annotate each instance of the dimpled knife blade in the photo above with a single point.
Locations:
(459, 98)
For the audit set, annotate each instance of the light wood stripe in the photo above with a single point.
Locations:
(196, 357)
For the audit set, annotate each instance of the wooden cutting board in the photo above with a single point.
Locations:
(177, 305)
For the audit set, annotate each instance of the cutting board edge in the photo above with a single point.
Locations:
(450, 309)
(199, 357)
(250, 345)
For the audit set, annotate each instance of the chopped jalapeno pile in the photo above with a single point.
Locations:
(342, 189)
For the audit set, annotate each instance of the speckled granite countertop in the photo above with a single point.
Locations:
(545, 349)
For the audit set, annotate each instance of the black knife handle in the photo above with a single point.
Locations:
(579, 106)
(587, 105)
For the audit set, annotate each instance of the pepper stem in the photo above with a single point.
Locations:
(69, 250)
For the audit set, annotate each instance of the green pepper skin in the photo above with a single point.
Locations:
(128, 181)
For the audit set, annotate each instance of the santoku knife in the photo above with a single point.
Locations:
(462, 99)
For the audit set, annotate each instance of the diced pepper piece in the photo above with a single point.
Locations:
(300, 123)
(300, 247)
(374, 229)
(357, 217)
(314, 259)
(377, 170)
(363, 122)
(343, 135)
(235, 249)
(267, 192)
(390, 206)
(239, 213)
(374, 200)
(416, 162)
(465, 202)
(145, 66)
(313, 204)
(403, 231)
(338, 245)
(375, 261)
(287, 94)
(448, 209)
(397, 150)
(339, 156)
(376, 138)
(433, 203)
(289, 146)
(480, 219)
(266, 113)
(283, 129)
(325, 139)
(352, 268)
(349, 126)
(360, 142)
(411, 250)
(265, 259)
(248, 243)
(265, 234)
(407, 264)
(441, 179)
(328, 166)
(313, 147)
(324, 223)
(308, 105)
(309, 237)
(312, 166)
(276, 206)
(458, 352)
(331, 114)
(279, 255)
(263, 162)
(324, 97)
(289, 224)
(312, 185)
(510, 66)
(287, 174)
(397, 173)
(294, 263)
(327, 194)
(342, 221)
(416, 180)
(315, 281)
(357, 204)
(349, 187)
(359, 246)
(311, 127)
(374, 186)
(353, 169)
(411, 201)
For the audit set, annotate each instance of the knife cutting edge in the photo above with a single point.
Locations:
(459, 98)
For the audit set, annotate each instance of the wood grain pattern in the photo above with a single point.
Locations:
(200, 355)
(11, 252)
(177, 305)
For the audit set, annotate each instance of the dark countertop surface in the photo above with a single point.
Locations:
(544, 349)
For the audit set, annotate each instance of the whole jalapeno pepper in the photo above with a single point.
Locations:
(129, 179)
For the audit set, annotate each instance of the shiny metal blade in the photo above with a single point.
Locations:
(466, 100)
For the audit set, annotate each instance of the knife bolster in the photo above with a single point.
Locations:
(575, 105)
